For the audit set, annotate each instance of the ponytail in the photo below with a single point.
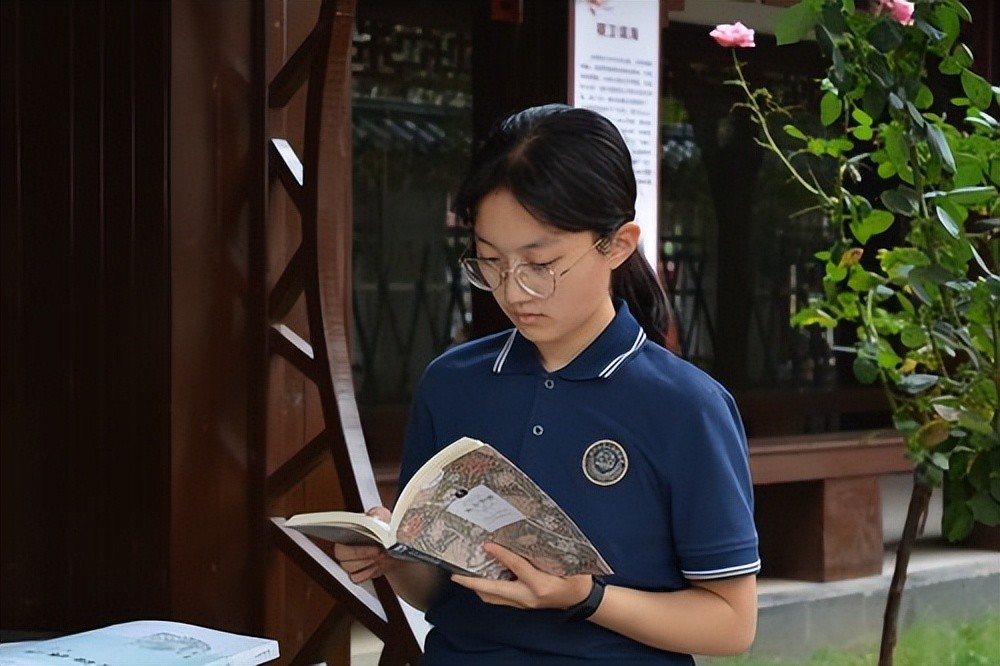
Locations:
(636, 283)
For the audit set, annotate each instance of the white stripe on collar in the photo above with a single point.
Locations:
(611, 367)
(502, 356)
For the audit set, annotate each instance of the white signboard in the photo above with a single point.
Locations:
(615, 56)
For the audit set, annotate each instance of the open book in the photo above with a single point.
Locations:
(467, 495)
(143, 643)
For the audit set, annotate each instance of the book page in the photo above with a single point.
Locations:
(346, 527)
(482, 496)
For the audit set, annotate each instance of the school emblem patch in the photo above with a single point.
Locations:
(605, 462)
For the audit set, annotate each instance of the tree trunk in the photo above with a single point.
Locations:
(919, 499)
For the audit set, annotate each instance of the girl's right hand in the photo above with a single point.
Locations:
(364, 563)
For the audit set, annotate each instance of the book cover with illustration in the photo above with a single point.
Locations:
(467, 495)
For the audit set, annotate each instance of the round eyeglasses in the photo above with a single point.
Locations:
(537, 280)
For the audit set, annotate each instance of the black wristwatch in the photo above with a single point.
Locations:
(587, 607)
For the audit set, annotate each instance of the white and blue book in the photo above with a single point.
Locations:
(143, 643)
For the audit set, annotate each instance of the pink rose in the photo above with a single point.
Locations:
(900, 10)
(735, 34)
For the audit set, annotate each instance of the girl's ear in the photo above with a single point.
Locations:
(623, 244)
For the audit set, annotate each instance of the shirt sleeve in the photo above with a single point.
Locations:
(712, 494)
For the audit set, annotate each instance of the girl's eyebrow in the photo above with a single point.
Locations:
(538, 244)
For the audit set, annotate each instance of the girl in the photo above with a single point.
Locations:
(644, 451)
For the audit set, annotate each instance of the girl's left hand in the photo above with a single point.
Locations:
(531, 588)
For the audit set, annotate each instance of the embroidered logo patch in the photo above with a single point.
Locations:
(605, 462)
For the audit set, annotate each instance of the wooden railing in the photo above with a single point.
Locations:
(319, 186)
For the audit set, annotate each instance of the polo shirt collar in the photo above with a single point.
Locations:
(617, 342)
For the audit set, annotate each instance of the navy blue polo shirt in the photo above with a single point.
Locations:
(682, 511)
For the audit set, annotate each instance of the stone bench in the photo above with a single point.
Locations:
(818, 502)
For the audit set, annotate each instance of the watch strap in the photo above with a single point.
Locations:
(587, 607)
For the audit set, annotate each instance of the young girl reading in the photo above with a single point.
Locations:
(643, 450)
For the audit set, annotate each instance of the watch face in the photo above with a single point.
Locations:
(605, 462)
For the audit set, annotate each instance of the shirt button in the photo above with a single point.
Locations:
(549, 383)
(537, 430)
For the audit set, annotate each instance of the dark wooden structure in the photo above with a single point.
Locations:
(85, 482)
(319, 186)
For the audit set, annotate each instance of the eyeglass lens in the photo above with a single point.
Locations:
(537, 280)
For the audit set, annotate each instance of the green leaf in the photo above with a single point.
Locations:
(968, 174)
(958, 213)
(874, 223)
(950, 225)
(835, 272)
(886, 170)
(917, 383)
(947, 19)
(950, 66)
(795, 132)
(977, 89)
(865, 369)
(901, 200)
(839, 145)
(885, 36)
(862, 133)
(895, 146)
(925, 98)
(975, 422)
(887, 358)
(957, 521)
(829, 109)
(861, 118)
(794, 23)
(861, 280)
(985, 509)
(940, 460)
(813, 317)
(982, 263)
(833, 20)
(905, 304)
(962, 55)
(969, 196)
(913, 336)
(962, 10)
(929, 30)
(939, 146)
(873, 101)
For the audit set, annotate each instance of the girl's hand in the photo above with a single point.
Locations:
(364, 563)
(531, 589)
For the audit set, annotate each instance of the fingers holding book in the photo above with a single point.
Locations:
(364, 562)
(531, 588)
(360, 562)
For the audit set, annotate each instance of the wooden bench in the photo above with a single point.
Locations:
(818, 503)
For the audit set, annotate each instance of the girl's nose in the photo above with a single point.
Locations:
(513, 292)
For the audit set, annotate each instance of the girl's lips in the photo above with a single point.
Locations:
(526, 317)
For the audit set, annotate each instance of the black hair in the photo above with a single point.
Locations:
(569, 168)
